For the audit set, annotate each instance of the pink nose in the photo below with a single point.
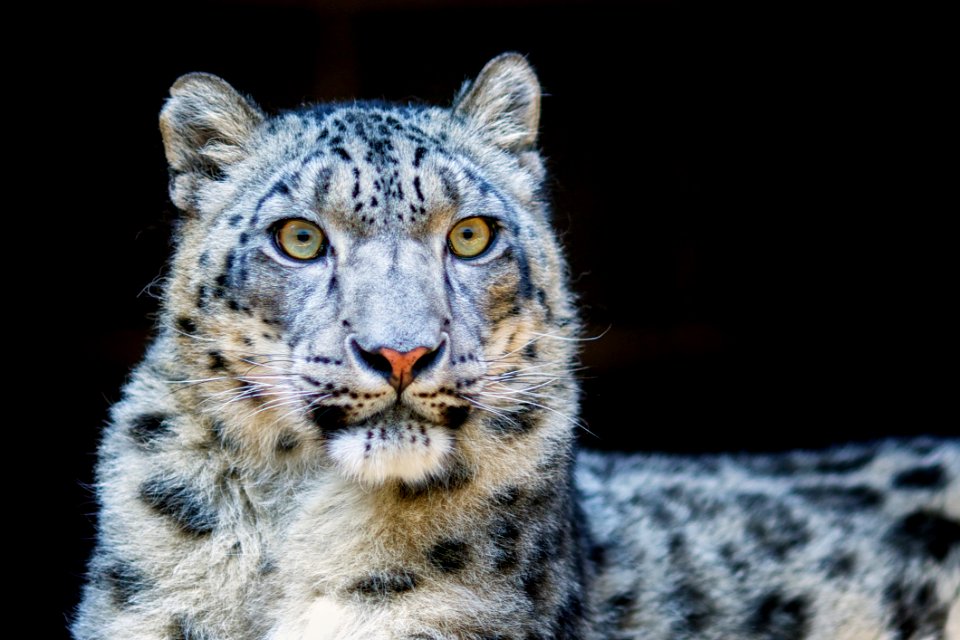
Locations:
(401, 365)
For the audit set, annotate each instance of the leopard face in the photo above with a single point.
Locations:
(376, 288)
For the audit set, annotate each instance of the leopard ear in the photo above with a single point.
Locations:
(206, 125)
(503, 103)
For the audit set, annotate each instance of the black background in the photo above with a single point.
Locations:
(742, 193)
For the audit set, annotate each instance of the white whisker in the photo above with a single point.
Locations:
(490, 409)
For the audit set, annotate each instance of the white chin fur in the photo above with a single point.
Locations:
(374, 455)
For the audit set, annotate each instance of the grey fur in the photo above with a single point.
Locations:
(261, 478)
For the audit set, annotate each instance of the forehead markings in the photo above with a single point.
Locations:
(372, 141)
(418, 156)
(289, 184)
(322, 183)
(481, 182)
(373, 136)
(279, 189)
(449, 186)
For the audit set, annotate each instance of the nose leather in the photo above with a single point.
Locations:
(401, 365)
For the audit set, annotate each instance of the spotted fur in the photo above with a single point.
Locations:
(266, 477)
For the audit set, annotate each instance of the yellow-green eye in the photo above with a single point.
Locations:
(300, 239)
(471, 237)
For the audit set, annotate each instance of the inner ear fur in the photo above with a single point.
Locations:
(503, 103)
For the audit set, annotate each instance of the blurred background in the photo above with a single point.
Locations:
(727, 183)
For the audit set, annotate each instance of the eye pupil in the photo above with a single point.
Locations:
(303, 235)
(467, 234)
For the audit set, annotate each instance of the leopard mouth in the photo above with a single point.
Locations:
(394, 444)
(335, 418)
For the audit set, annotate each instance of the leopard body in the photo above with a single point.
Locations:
(268, 475)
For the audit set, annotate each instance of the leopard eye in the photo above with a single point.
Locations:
(471, 237)
(301, 240)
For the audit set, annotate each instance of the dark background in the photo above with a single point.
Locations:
(740, 193)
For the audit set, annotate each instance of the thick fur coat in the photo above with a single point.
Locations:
(377, 441)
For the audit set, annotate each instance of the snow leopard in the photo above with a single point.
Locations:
(356, 419)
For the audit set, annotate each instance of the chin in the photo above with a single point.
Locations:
(380, 452)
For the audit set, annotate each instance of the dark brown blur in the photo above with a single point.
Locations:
(705, 171)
